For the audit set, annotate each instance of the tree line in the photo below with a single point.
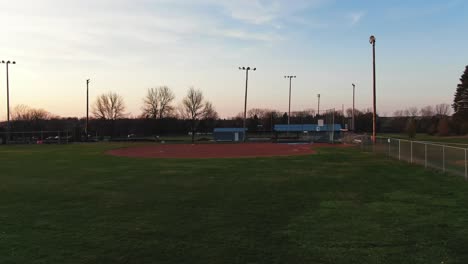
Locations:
(195, 114)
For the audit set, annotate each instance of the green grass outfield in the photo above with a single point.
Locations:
(461, 141)
(73, 204)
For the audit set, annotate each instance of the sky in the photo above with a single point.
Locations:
(128, 46)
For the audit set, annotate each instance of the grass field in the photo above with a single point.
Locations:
(73, 204)
(450, 140)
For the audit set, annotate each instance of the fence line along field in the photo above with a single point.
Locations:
(75, 204)
(451, 158)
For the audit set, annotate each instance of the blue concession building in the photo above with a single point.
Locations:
(229, 134)
(311, 132)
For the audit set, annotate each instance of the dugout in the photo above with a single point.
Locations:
(309, 132)
(229, 134)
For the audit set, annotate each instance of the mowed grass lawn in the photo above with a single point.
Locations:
(74, 204)
(449, 140)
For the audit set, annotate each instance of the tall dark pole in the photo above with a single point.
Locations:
(354, 87)
(245, 101)
(8, 95)
(289, 108)
(374, 114)
(87, 108)
(318, 104)
(246, 69)
(290, 77)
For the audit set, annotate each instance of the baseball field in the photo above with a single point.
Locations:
(98, 203)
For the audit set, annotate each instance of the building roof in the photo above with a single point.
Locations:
(307, 127)
(229, 129)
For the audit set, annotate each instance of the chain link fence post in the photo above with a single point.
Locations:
(389, 147)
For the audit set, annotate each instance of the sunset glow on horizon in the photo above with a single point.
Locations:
(129, 46)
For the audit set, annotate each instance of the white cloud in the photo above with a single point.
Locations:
(356, 17)
(264, 12)
(243, 35)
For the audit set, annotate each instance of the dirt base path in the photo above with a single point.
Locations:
(215, 150)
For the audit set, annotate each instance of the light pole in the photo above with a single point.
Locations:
(318, 105)
(8, 95)
(87, 108)
(374, 114)
(354, 88)
(246, 69)
(289, 111)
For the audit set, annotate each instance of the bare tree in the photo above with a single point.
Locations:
(411, 111)
(427, 111)
(151, 104)
(442, 110)
(194, 107)
(157, 103)
(309, 111)
(260, 113)
(20, 112)
(109, 106)
(349, 112)
(166, 96)
(26, 113)
(209, 111)
(366, 111)
(298, 114)
(399, 113)
(41, 114)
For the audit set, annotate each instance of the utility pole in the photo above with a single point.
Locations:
(246, 69)
(374, 114)
(87, 109)
(354, 87)
(290, 77)
(318, 105)
(8, 96)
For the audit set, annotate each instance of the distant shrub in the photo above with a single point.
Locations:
(432, 130)
(463, 128)
(443, 127)
(411, 128)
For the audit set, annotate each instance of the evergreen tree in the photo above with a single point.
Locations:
(461, 95)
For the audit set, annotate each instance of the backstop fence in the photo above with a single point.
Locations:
(438, 156)
(35, 137)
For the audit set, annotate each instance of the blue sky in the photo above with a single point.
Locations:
(128, 46)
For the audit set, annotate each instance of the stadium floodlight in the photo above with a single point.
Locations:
(7, 63)
(246, 69)
(290, 77)
(374, 114)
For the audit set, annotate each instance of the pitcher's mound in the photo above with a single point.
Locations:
(214, 150)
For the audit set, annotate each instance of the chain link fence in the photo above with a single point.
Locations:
(35, 137)
(436, 156)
